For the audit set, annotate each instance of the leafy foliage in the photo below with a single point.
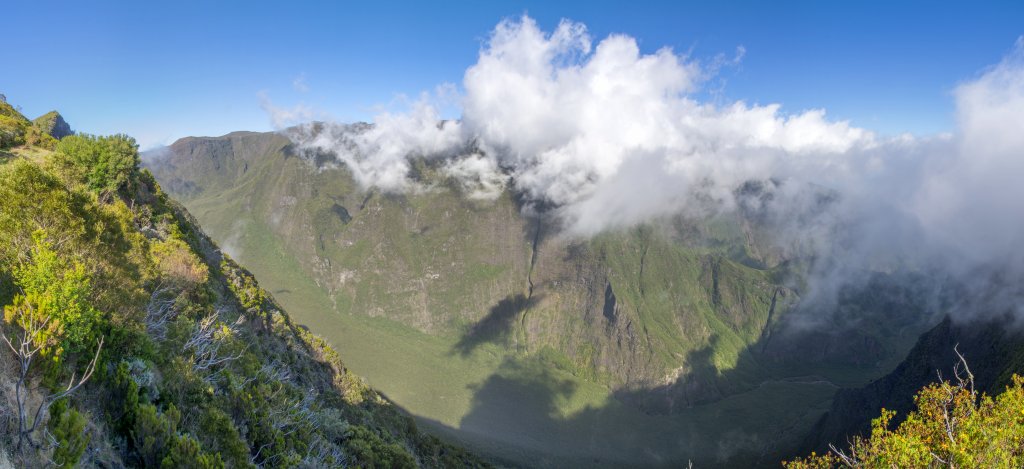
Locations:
(13, 126)
(243, 285)
(58, 294)
(177, 263)
(187, 454)
(16, 130)
(104, 164)
(372, 451)
(68, 429)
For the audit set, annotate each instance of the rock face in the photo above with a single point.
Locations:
(53, 123)
(993, 353)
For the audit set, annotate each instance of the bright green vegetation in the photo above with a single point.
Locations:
(952, 426)
(643, 346)
(135, 342)
(106, 165)
(16, 130)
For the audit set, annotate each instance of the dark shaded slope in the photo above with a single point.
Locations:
(992, 351)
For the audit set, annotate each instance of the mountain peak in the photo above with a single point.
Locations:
(54, 124)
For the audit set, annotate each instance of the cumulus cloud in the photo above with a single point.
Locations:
(973, 197)
(477, 175)
(563, 116)
(378, 155)
(612, 136)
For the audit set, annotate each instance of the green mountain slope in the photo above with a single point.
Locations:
(176, 356)
(672, 330)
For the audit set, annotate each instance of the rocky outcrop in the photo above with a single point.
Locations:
(53, 124)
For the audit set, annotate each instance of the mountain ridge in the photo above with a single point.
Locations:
(196, 365)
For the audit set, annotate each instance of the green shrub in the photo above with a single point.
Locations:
(186, 453)
(68, 429)
(154, 433)
(243, 285)
(219, 434)
(58, 291)
(12, 132)
(371, 451)
(105, 165)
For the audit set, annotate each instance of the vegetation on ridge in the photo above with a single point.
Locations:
(136, 342)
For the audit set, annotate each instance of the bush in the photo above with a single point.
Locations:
(68, 429)
(12, 132)
(371, 451)
(243, 285)
(187, 454)
(26, 189)
(219, 434)
(60, 293)
(178, 264)
(104, 164)
(154, 433)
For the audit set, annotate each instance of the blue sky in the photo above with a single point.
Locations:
(160, 71)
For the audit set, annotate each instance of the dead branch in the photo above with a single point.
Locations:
(206, 346)
(159, 311)
(25, 350)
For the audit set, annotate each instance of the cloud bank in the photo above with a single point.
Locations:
(611, 136)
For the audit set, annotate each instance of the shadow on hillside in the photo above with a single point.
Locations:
(496, 324)
(519, 407)
(753, 414)
(701, 383)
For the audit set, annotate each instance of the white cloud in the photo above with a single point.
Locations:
(478, 175)
(378, 155)
(973, 198)
(613, 136)
(284, 117)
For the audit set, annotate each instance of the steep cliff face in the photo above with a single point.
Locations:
(993, 351)
(53, 124)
